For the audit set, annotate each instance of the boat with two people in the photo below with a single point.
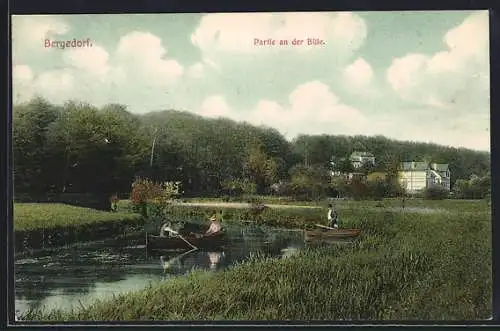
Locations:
(188, 236)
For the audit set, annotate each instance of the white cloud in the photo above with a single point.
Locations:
(144, 52)
(456, 79)
(22, 74)
(138, 64)
(215, 106)
(92, 64)
(314, 100)
(470, 38)
(52, 84)
(30, 32)
(359, 73)
(469, 131)
(56, 81)
(22, 83)
(92, 59)
(235, 33)
(211, 64)
(196, 70)
(311, 108)
(404, 73)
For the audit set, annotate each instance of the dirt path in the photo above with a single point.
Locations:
(240, 205)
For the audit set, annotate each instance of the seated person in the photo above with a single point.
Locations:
(165, 230)
(215, 226)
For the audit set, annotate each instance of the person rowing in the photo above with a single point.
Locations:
(332, 217)
(166, 230)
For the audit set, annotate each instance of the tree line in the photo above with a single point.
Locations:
(77, 147)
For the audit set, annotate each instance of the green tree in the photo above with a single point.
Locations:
(260, 169)
(359, 147)
(79, 147)
(391, 163)
(30, 123)
(309, 182)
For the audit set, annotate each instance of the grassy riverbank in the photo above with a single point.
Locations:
(305, 215)
(34, 216)
(449, 204)
(418, 264)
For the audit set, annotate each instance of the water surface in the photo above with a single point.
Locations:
(70, 277)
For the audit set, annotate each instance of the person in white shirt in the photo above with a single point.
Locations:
(215, 226)
(332, 217)
(165, 230)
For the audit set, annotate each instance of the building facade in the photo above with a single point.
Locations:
(359, 159)
(418, 176)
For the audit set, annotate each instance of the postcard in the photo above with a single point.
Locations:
(300, 166)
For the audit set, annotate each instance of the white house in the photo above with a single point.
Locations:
(439, 174)
(417, 176)
(359, 159)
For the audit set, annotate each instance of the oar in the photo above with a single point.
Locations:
(325, 227)
(177, 234)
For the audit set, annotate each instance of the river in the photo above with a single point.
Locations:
(70, 277)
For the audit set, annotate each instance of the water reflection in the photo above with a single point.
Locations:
(214, 258)
(290, 251)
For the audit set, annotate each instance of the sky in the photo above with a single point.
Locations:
(420, 76)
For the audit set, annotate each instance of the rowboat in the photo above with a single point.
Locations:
(213, 241)
(328, 233)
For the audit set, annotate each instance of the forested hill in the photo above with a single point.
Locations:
(82, 148)
(319, 149)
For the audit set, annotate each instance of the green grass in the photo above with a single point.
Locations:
(405, 266)
(449, 204)
(32, 216)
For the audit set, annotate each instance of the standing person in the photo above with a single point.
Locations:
(332, 217)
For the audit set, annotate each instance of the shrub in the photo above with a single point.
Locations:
(378, 189)
(435, 193)
(359, 190)
(145, 191)
(238, 187)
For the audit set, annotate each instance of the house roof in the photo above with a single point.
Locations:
(361, 154)
(441, 167)
(418, 166)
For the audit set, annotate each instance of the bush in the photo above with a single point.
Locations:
(307, 191)
(359, 190)
(145, 191)
(238, 187)
(474, 188)
(378, 189)
(435, 193)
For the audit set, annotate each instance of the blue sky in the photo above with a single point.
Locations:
(420, 76)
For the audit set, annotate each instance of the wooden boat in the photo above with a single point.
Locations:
(328, 233)
(214, 241)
